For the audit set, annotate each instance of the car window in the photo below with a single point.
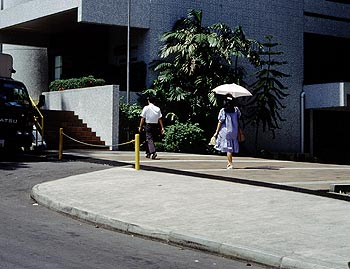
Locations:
(13, 94)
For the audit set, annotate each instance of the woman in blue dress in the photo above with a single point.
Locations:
(227, 129)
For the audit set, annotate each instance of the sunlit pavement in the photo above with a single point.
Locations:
(265, 211)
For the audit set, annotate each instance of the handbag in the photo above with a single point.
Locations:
(212, 141)
(240, 135)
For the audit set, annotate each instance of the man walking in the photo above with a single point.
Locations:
(151, 115)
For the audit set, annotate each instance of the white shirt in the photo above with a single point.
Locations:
(151, 113)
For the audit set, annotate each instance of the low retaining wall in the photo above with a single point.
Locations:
(98, 107)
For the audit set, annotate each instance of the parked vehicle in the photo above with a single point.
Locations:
(18, 113)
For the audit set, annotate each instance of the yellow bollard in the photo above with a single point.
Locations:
(137, 152)
(60, 144)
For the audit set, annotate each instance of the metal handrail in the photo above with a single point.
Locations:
(38, 125)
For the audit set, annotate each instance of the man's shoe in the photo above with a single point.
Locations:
(148, 155)
(154, 155)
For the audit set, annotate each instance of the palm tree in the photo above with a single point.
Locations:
(268, 92)
(233, 45)
(195, 59)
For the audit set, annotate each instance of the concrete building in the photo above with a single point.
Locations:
(69, 38)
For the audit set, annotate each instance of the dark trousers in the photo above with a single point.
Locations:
(151, 134)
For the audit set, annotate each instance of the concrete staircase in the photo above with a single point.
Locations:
(72, 126)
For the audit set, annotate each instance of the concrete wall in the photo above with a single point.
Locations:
(114, 12)
(326, 95)
(31, 67)
(283, 19)
(98, 107)
(321, 18)
(16, 12)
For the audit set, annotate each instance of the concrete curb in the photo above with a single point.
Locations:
(197, 242)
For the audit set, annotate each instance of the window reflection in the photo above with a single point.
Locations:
(13, 94)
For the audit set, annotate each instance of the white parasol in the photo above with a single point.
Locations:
(232, 89)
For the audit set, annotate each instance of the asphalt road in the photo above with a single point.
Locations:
(34, 237)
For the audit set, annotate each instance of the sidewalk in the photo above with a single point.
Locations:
(280, 228)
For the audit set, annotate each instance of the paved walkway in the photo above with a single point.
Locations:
(244, 217)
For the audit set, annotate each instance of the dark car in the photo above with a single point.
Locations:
(16, 115)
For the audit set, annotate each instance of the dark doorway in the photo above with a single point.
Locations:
(331, 134)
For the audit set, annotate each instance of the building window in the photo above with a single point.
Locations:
(58, 67)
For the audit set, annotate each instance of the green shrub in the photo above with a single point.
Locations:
(184, 137)
(129, 119)
(74, 83)
(129, 115)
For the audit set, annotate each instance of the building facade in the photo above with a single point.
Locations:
(70, 38)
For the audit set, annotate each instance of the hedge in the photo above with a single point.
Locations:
(74, 83)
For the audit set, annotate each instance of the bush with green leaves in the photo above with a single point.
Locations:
(184, 137)
(75, 83)
(129, 119)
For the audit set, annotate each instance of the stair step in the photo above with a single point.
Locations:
(77, 129)
(72, 126)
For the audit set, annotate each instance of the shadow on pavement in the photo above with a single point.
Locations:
(214, 177)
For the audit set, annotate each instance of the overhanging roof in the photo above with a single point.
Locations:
(37, 32)
(33, 22)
